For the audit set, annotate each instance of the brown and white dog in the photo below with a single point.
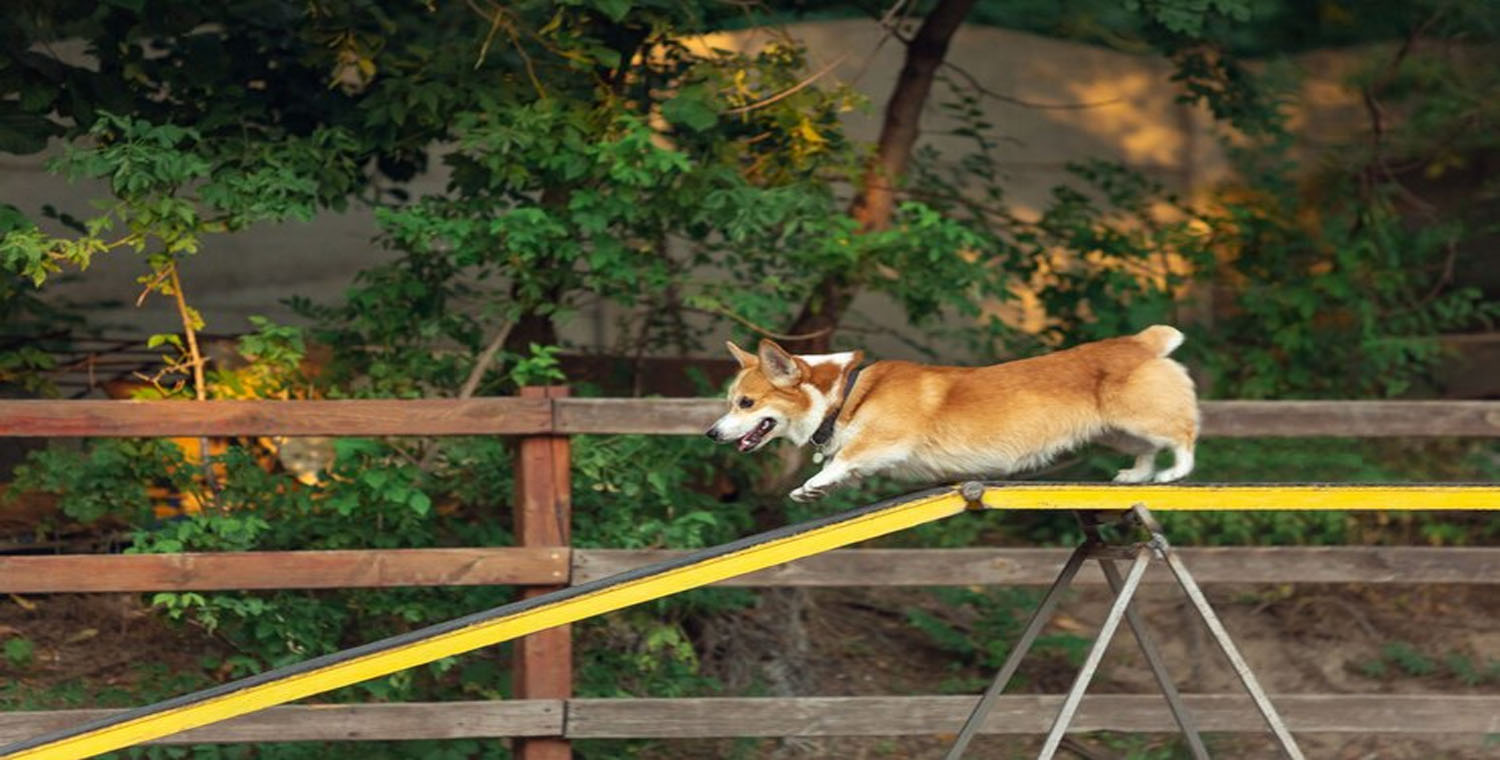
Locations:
(945, 423)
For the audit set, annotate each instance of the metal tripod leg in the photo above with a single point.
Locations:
(1039, 618)
(1158, 667)
(1149, 651)
(1221, 636)
(1096, 653)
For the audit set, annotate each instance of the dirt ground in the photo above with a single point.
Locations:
(857, 642)
(95, 637)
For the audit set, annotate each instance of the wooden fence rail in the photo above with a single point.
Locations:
(96, 418)
(369, 722)
(215, 571)
(567, 416)
(546, 566)
(1039, 567)
(808, 716)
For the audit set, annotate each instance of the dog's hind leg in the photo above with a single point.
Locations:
(1141, 471)
(1156, 404)
(1143, 449)
(1182, 463)
(1177, 437)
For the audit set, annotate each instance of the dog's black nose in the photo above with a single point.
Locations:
(713, 434)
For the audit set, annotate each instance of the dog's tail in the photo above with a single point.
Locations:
(1161, 339)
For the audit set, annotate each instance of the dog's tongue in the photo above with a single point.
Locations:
(753, 438)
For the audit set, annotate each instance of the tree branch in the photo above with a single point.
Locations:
(485, 358)
(761, 330)
(200, 389)
(985, 91)
(790, 91)
(875, 204)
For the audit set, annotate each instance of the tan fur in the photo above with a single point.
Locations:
(935, 422)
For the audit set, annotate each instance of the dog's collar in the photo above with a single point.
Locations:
(824, 433)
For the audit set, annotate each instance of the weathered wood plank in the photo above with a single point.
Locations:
(651, 416)
(1039, 567)
(86, 573)
(807, 716)
(1235, 419)
(1360, 419)
(519, 416)
(370, 722)
(477, 416)
(101, 573)
(381, 568)
(1021, 714)
(542, 663)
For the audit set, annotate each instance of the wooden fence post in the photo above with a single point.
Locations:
(543, 667)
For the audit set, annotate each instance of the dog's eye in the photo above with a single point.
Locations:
(745, 402)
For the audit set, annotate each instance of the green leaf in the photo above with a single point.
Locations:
(692, 108)
(614, 9)
(23, 133)
(419, 502)
(375, 479)
(19, 650)
(37, 97)
(11, 218)
(160, 338)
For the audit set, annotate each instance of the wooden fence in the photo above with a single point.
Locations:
(544, 715)
(534, 414)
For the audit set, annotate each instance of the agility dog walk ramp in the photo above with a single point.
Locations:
(702, 568)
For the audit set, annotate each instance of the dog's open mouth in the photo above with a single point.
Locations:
(757, 435)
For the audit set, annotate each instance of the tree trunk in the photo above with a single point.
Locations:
(531, 328)
(876, 201)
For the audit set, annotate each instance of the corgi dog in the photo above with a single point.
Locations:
(948, 423)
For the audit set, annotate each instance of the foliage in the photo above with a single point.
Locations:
(594, 154)
(551, 204)
(1146, 747)
(109, 478)
(1361, 316)
(172, 185)
(991, 622)
(1370, 294)
(1400, 658)
(30, 321)
(19, 651)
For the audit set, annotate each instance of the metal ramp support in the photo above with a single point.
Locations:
(1141, 554)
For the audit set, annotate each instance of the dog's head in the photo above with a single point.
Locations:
(778, 394)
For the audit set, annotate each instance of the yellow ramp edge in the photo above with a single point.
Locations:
(1246, 498)
(700, 569)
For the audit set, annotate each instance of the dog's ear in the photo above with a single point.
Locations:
(740, 355)
(780, 367)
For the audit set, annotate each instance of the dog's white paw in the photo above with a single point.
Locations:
(805, 494)
(1132, 475)
(1167, 476)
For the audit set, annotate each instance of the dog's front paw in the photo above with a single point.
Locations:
(805, 494)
